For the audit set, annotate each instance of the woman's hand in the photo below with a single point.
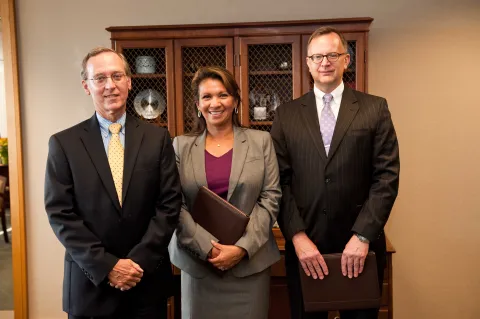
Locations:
(214, 252)
(226, 256)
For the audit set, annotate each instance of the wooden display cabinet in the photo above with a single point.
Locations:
(266, 58)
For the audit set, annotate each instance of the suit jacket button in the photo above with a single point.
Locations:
(327, 180)
(324, 211)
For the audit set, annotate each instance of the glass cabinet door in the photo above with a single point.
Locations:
(191, 54)
(270, 72)
(151, 98)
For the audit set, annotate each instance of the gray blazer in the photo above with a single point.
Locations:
(253, 188)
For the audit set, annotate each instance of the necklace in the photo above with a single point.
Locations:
(226, 137)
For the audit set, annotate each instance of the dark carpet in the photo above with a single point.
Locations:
(6, 282)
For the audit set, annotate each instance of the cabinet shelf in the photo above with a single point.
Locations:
(258, 123)
(148, 76)
(155, 122)
(270, 72)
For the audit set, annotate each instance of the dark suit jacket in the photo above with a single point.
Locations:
(85, 213)
(351, 190)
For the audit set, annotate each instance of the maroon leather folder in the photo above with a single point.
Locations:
(338, 292)
(220, 218)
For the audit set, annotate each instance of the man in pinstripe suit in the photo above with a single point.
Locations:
(339, 169)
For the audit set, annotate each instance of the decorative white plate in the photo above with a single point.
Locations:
(145, 64)
(149, 104)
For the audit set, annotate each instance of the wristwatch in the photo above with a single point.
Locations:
(362, 238)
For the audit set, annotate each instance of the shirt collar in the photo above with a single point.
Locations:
(337, 93)
(104, 124)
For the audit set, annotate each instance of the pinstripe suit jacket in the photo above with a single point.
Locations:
(351, 190)
(254, 188)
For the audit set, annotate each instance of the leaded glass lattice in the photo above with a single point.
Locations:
(149, 85)
(270, 81)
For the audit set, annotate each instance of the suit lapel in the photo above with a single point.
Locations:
(240, 149)
(93, 142)
(348, 110)
(133, 140)
(310, 117)
(198, 160)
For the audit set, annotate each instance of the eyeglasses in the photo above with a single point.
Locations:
(331, 57)
(101, 80)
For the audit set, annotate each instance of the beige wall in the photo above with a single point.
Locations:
(424, 57)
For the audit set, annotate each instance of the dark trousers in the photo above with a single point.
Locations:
(135, 310)
(295, 290)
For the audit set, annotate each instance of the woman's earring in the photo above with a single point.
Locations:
(236, 110)
(199, 114)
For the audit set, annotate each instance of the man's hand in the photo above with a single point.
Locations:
(353, 257)
(310, 258)
(227, 255)
(125, 275)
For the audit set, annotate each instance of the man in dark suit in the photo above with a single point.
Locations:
(339, 169)
(112, 195)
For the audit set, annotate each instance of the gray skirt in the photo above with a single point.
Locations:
(215, 297)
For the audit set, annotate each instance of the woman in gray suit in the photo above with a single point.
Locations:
(240, 165)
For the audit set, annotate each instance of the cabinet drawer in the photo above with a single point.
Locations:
(278, 269)
(384, 301)
(170, 312)
(383, 313)
(388, 264)
(385, 273)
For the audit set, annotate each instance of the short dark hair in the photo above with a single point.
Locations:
(327, 30)
(98, 50)
(227, 79)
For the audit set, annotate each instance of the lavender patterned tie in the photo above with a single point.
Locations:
(327, 122)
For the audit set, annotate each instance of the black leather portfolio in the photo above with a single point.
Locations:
(338, 292)
(220, 218)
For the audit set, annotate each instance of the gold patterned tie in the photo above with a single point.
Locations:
(115, 158)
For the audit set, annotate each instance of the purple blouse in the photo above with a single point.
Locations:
(217, 170)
